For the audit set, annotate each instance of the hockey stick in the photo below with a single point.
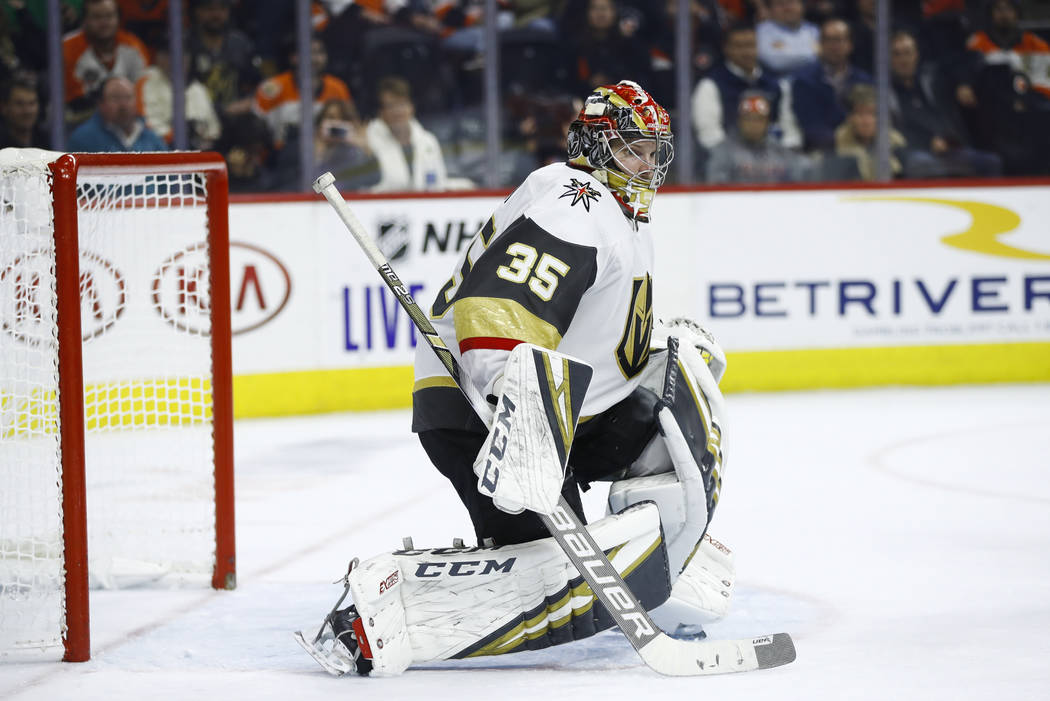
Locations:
(661, 652)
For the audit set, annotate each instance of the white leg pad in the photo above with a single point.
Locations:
(427, 605)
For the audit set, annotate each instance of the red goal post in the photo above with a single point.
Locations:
(141, 252)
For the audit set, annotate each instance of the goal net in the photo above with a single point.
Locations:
(114, 384)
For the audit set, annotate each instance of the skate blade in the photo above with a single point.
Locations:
(332, 663)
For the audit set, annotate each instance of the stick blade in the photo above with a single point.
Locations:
(774, 650)
(690, 658)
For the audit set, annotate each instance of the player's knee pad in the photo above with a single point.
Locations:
(450, 603)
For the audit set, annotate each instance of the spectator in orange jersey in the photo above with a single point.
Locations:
(1006, 91)
(95, 52)
(1003, 42)
(277, 98)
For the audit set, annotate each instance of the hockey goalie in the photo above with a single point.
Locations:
(572, 381)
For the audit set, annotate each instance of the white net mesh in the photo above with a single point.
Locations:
(31, 569)
(144, 288)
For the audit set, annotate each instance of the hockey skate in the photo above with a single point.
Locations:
(340, 645)
(336, 647)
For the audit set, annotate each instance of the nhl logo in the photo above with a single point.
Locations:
(393, 238)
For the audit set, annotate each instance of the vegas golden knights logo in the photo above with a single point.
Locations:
(633, 351)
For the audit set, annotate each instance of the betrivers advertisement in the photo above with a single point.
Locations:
(766, 271)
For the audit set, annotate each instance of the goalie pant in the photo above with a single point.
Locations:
(449, 603)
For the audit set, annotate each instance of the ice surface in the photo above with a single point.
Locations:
(900, 535)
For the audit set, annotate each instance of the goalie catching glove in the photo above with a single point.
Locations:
(681, 471)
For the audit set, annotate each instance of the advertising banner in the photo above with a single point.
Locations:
(803, 288)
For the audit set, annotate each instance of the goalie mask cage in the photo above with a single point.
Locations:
(116, 452)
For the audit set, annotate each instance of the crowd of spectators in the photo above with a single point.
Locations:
(782, 89)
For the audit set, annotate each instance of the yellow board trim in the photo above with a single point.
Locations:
(841, 368)
(320, 391)
(370, 389)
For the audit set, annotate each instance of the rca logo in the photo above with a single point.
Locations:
(389, 582)
(27, 297)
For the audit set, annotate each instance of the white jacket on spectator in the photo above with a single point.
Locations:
(154, 95)
(427, 170)
(707, 115)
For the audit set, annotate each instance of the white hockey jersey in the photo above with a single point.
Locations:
(557, 265)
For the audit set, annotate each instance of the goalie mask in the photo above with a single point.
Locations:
(624, 138)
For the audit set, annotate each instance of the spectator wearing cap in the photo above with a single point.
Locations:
(277, 98)
(116, 125)
(855, 137)
(99, 50)
(749, 154)
(717, 95)
(818, 92)
(786, 41)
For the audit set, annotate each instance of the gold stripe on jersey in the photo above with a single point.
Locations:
(436, 381)
(493, 317)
